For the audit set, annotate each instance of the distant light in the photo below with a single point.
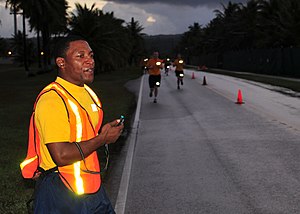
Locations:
(158, 63)
(9, 53)
(145, 60)
(181, 61)
(42, 53)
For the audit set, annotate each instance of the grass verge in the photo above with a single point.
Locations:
(290, 83)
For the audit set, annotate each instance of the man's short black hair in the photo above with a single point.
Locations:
(63, 43)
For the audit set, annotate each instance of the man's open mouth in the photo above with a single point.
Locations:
(89, 70)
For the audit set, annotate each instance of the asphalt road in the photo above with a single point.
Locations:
(197, 151)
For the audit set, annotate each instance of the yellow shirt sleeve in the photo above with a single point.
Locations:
(51, 120)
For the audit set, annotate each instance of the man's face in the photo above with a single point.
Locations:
(79, 63)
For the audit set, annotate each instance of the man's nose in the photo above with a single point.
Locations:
(90, 60)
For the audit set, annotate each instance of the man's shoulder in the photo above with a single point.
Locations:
(49, 98)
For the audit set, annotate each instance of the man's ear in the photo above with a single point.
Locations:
(60, 62)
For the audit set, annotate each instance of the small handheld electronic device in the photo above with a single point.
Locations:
(122, 118)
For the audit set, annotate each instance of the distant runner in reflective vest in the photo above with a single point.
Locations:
(179, 64)
(63, 137)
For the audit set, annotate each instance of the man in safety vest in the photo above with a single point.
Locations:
(64, 135)
(154, 65)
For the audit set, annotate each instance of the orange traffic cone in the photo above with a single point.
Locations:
(193, 76)
(239, 98)
(204, 81)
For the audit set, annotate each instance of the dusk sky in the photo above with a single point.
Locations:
(157, 17)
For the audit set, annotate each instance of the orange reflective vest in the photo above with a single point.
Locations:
(80, 177)
(154, 66)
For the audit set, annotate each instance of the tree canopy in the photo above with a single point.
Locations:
(257, 24)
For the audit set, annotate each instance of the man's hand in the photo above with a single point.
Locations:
(111, 131)
(36, 176)
(65, 153)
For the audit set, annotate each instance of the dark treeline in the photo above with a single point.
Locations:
(258, 24)
(115, 43)
(241, 29)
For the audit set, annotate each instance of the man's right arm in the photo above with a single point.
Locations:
(65, 153)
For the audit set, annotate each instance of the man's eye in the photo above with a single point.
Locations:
(80, 55)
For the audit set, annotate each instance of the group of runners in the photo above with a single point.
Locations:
(153, 67)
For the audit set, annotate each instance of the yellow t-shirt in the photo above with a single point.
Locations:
(51, 117)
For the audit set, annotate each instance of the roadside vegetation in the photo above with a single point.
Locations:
(259, 36)
(289, 83)
(253, 25)
(18, 93)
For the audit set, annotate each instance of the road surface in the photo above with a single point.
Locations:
(197, 151)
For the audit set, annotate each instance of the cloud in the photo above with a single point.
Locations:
(191, 3)
(169, 19)
(151, 19)
(156, 17)
(99, 4)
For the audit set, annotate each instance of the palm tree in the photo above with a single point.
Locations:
(227, 25)
(14, 11)
(269, 24)
(280, 23)
(137, 50)
(15, 7)
(106, 34)
(190, 41)
(46, 16)
(246, 32)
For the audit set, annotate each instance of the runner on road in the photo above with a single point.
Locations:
(154, 65)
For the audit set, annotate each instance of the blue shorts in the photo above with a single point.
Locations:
(52, 196)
